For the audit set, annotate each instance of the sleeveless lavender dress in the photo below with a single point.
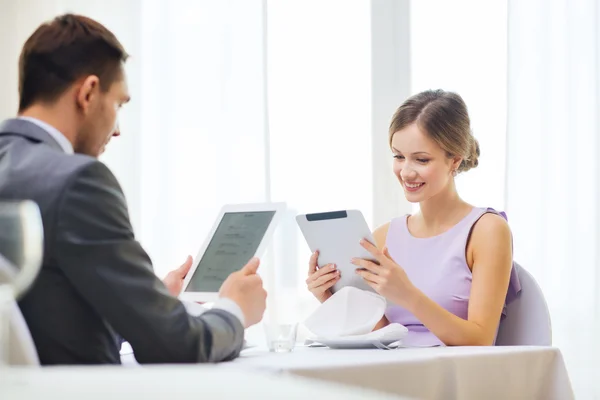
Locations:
(438, 267)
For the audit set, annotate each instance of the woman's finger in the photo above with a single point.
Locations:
(327, 285)
(323, 279)
(370, 277)
(312, 263)
(320, 272)
(367, 264)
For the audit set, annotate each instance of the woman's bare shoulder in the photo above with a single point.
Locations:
(380, 235)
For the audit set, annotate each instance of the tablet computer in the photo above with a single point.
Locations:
(240, 232)
(337, 236)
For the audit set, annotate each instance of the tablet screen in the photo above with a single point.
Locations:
(234, 243)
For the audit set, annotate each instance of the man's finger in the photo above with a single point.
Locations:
(185, 267)
(254, 279)
(251, 267)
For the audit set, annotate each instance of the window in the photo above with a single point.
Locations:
(319, 102)
(462, 47)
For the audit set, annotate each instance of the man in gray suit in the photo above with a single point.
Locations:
(97, 284)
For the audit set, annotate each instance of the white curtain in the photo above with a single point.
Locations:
(202, 112)
(194, 134)
(447, 54)
(553, 168)
(240, 101)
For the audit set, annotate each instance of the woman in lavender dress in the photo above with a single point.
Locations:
(446, 270)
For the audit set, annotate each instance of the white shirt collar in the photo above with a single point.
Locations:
(62, 141)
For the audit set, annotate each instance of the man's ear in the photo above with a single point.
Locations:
(87, 92)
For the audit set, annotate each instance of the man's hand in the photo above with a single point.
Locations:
(245, 288)
(174, 279)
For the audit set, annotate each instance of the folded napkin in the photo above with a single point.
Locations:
(390, 333)
(350, 311)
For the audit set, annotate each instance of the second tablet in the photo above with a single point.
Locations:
(336, 235)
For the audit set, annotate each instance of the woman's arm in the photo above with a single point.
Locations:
(491, 251)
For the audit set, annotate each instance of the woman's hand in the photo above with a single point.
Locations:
(320, 280)
(385, 276)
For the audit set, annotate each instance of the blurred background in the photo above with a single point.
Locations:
(290, 100)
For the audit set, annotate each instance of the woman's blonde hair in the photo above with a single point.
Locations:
(444, 118)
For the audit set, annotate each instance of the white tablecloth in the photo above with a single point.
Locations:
(197, 382)
(427, 373)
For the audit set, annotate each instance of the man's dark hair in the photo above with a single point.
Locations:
(64, 50)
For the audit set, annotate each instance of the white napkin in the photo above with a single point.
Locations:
(391, 332)
(350, 311)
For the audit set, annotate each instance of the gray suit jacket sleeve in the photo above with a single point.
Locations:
(96, 249)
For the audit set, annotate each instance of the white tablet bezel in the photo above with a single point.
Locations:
(334, 249)
(209, 297)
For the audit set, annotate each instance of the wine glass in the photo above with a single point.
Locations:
(21, 253)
